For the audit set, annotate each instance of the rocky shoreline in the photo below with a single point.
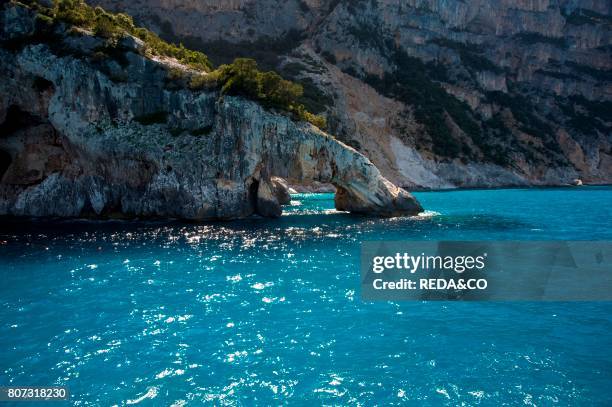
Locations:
(437, 94)
(110, 137)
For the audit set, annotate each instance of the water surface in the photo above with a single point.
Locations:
(268, 311)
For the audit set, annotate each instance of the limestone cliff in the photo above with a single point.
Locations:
(84, 134)
(437, 93)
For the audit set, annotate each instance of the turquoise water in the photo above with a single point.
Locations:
(268, 311)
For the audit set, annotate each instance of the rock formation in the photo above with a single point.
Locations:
(88, 136)
(280, 188)
(491, 92)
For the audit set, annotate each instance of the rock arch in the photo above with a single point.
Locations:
(206, 156)
(300, 152)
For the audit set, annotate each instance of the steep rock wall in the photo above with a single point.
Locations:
(527, 85)
(80, 136)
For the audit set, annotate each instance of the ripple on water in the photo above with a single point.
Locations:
(178, 313)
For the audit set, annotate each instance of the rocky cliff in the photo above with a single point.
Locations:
(93, 129)
(437, 93)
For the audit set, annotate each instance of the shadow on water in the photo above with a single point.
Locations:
(310, 224)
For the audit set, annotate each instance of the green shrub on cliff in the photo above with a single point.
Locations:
(105, 27)
(115, 25)
(204, 81)
(242, 77)
(73, 12)
(157, 46)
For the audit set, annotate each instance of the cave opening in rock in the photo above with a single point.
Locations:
(41, 84)
(17, 119)
(286, 189)
(5, 162)
(253, 194)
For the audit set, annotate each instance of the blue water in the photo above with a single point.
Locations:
(268, 311)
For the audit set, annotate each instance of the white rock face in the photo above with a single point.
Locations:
(422, 173)
(415, 168)
(114, 140)
(555, 55)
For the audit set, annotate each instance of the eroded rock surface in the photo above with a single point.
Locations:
(521, 91)
(82, 136)
(280, 188)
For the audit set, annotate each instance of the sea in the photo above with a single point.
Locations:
(268, 311)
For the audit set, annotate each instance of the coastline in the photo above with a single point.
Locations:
(484, 188)
(493, 188)
(10, 220)
(182, 300)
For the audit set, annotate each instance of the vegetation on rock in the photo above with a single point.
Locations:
(410, 83)
(242, 77)
(116, 25)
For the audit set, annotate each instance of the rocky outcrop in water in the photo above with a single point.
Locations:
(91, 134)
(436, 93)
(280, 188)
